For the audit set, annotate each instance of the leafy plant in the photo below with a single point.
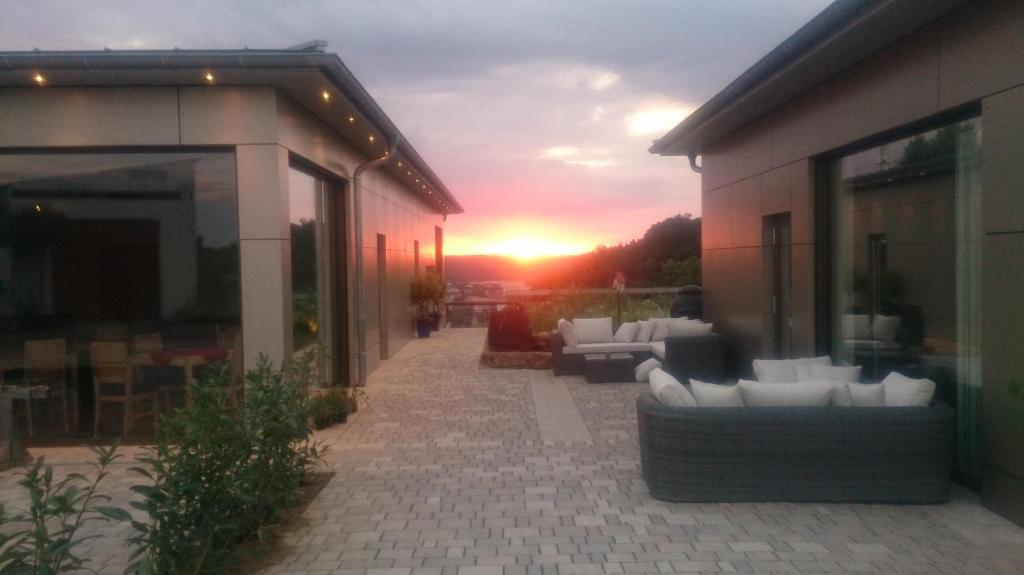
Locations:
(218, 475)
(334, 406)
(427, 292)
(42, 539)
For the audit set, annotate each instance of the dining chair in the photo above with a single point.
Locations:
(114, 382)
(46, 364)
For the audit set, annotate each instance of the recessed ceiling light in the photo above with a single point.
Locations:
(208, 76)
(372, 139)
(351, 119)
(326, 96)
(399, 163)
(39, 78)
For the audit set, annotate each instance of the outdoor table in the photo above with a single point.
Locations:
(608, 367)
(186, 358)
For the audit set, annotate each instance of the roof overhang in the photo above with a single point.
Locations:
(303, 73)
(846, 32)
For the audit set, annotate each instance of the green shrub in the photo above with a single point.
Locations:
(334, 406)
(219, 475)
(42, 539)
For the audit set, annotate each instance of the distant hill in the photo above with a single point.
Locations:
(667, 255)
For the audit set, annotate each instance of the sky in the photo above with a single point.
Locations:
(537, 114)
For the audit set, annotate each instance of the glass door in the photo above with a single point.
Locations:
(312, 329)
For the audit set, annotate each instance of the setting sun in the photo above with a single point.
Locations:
(531, 248)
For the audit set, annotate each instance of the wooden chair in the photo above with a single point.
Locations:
(147, 342)
(46, 364)
(113, 378)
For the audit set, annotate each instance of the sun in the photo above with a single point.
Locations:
(525, 248)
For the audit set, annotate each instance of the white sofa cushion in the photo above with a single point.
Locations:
(645, 332)
(606, 348)
(711, 395)
(867, 394)
(797, 394)
(594, 330)
(856, 326)
(817, 372)
(568, 333)
(657, 348)
(626, 332)
(885, 328)
(688, 328)
(669, 391)
(903, 391)
(784, 370)
(660, 328)
(643, 371)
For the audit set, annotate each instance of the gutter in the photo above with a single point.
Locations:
(357, 208)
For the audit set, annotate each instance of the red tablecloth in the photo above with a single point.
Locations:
(208, 354)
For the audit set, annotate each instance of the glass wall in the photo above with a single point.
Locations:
(311, 270)
(906, 262)
(135, 250)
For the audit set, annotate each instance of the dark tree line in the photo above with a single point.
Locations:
(668, 254)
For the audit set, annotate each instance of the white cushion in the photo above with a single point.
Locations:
(627, 332)
(711, 395)
(606, 348)
(856, 326)
(867, 394)
(784, 370)
(817, 372)
(841, 395)
(885, 328)
(902, 391)
(657, 348)
(643, 371)
(688, 329)
(593, 330)
(669, 391)
(660, 328)
(645, 332)
(568, 333)
(797, 394)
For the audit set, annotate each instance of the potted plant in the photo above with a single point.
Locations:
(428, 294)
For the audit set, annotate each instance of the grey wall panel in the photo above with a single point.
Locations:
(982, 48)
(732, 304)
(1002, 140)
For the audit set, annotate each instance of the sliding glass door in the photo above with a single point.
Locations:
(312, 288)
(906, 253)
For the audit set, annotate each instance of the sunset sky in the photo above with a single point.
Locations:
(537, 114)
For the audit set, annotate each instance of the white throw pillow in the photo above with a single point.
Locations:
(568, 333)
(902, 391)
(841, 395)
(867, 394)
(711, 395)
(886, 327)
(799, 394)
(856, 326)
(669, 391)
(593, 330)
(689, 328)
(784, 370)
(660, 329)
(643, 371)
(627, 332)
(645, 333)
(817, 372)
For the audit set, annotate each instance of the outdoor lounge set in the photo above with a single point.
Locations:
(804, 431)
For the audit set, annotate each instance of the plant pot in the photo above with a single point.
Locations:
(424, 327)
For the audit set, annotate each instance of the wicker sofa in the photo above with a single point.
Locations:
(699, 357)
(827, 454)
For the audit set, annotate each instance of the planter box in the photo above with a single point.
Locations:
(516, 359)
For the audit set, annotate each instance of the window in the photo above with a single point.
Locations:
(139, 248)
(906, 250)
(312, 329)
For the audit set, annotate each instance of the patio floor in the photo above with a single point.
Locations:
(458, 468)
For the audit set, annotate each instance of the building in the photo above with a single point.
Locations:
(189, 197)
(870, 172)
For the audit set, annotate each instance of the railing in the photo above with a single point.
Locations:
(545, 307)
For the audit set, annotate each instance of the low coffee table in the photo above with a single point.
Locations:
(608, 367)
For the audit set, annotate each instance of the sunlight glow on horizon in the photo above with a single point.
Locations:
(523, 248)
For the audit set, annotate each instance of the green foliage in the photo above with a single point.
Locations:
(681, 273)
(334, 406)
(42, 539)
(428, 291)
(544, 315)
(217, 476)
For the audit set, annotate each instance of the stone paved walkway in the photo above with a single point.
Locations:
(460, 469)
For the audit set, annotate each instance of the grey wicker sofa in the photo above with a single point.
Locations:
(700, 357)
(828, 454)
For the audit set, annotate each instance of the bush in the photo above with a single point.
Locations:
(42, 540)
(220, 475)
(334, 406)
(509, 329)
